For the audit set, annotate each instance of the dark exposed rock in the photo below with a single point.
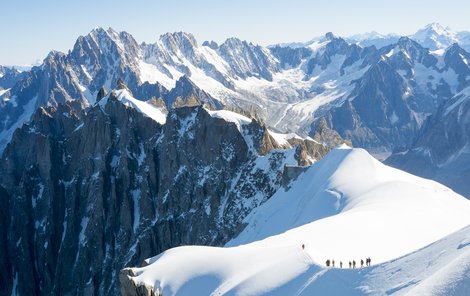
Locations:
(186, 93)
(328, 137)
(101, 94)
(149, 90)
(211, 44)
(129, 288)
(90, 193)
(290, 57)
(377, 115)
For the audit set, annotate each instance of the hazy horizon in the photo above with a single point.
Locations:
(35, 27)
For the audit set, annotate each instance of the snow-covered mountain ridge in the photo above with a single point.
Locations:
(329, 209)
(290, 88)
(433, 36)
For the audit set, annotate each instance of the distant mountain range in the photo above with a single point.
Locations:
(376, 97)
(433, 36)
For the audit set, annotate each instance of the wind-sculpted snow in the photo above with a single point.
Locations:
(347, 206)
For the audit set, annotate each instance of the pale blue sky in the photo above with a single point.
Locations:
(31, 28)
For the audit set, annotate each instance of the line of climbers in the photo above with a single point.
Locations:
(352, 264)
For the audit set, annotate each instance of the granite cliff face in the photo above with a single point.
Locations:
(86, 193)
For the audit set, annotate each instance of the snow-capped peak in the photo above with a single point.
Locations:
(178, 40)
(434, 36)
(437, 28)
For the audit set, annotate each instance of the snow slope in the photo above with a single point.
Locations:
(230, 116)
(125, 97)
(345, 207)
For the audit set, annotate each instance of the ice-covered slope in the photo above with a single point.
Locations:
(345, 207)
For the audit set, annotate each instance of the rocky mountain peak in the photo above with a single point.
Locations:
(211, 44)
(186, 93)
(458, 59)
(102, 45)
(101, 94)
(333, 46)
(53, 57)
(406, 52)
(436, 28)
(409, 45)
(247, 59)
(99, 35)
(121, 84)
(336, 45)
(330, 36)
(98, 31)
(234, 42)
(327, 136)
(454, 49)
(179, 41)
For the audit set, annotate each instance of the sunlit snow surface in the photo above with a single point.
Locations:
(348, 206)
(145, 108)
(230, 116)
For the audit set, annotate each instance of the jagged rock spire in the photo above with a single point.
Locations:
(101, 93)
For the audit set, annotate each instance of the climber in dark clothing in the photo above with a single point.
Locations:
(368, 261)
(362, 263)
(333, 262)
(341, 264)
(354, 263)
(328, 263)
(350, 264)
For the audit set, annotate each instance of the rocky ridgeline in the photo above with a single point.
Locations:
(87, 193)
(375, 96)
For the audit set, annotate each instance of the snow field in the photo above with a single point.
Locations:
(346, 206)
